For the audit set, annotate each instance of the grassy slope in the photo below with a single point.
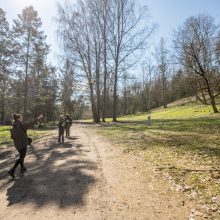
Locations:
(182, 141)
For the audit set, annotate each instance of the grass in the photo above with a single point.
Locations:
(185, 111)
(182, 111)
(35, 134)
(182, 141)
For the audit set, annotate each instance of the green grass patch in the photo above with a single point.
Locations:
(179, 112)
(183, 141)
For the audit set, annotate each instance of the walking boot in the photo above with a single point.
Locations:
(11, 173)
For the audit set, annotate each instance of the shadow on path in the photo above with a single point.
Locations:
(57, 174)
(6, 158)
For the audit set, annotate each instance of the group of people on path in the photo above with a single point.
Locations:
(64, 124)
(21, 139)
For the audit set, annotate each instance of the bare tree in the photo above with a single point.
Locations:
(195, 44)
(100, 37)
(77, 32)
(147, 73)
(126, 38)
(100, 11)
(162, 62)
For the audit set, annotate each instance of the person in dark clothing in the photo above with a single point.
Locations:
(20, 139)
(61, 127)
(68, 124)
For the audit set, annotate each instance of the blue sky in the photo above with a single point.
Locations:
(168, 14)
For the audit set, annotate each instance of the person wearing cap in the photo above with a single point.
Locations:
(68, 124)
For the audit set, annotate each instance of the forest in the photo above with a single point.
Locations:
(103, 68)
(117, 117)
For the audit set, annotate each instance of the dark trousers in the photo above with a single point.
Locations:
(61, 135)
(67, 131)
(22, 154)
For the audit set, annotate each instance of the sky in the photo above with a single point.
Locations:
(167, 14)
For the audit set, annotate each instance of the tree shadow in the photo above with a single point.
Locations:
(57, 175)
(182, 134)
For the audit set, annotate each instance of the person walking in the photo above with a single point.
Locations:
(68, 124)
(61, 127)
(20, 139)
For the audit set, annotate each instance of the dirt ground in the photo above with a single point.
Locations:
(85, 178)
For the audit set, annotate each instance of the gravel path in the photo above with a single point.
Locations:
(85, 178)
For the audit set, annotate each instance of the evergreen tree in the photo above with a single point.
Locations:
(67, 83)
(26, 33)
(5, 61)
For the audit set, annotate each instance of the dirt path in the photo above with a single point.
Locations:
(85, 178)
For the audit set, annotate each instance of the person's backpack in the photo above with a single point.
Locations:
(67, 123)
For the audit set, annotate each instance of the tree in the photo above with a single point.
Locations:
(100, 10)
(181, 85)
(5, 60)
(127, 37)
(162, 62)
(125, 91)
(101, 36)
(26, 33)
(27, 81)
(147, 75)
(105, 32)
(77, 33)
(195, 45)
(67, 84)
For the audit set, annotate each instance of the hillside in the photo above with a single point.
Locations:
(181, 109)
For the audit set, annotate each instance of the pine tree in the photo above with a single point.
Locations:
(26, 33)
(5, 60)
(67, 83)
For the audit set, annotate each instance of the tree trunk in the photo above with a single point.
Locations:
(149, 94)
(194, 83)
(94, 112)
(105, 72)
(164, 92)
(203, 95)
(125, 101)
(214, 105)
(18, 103)
(26, 76)
(114, 117)
(212, 98)
(3, 102)
(119, 22)
(3, 108)
(97, 84)
(104, 96)
(46, 103)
